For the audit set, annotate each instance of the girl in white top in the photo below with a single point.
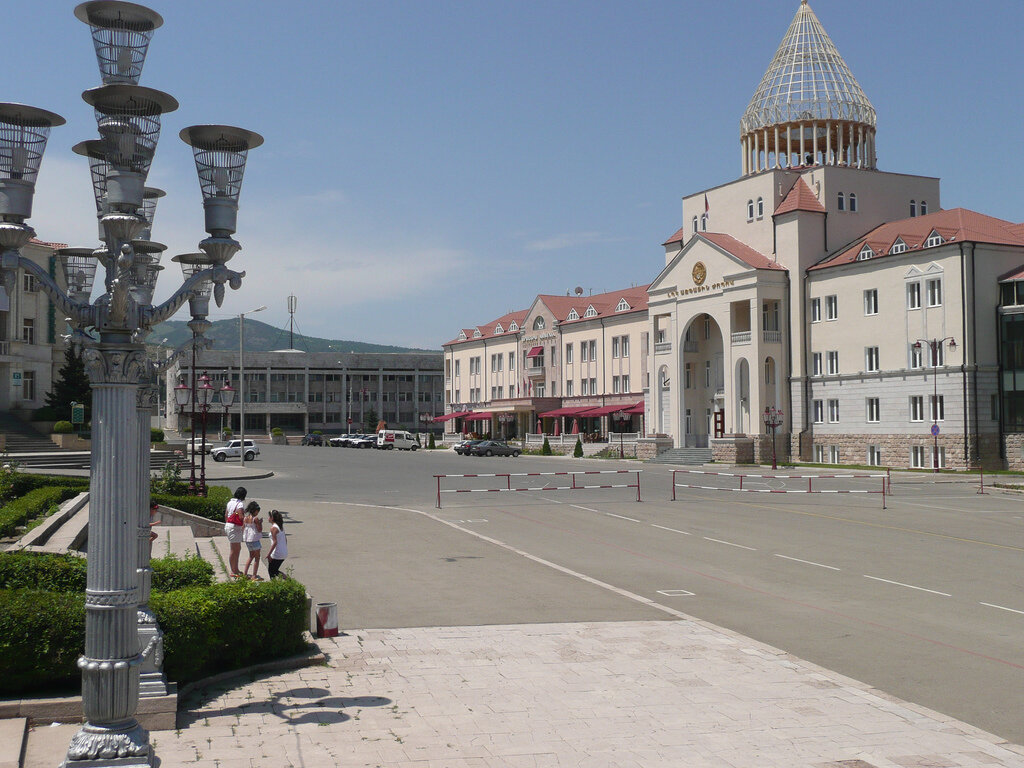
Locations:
(251, 536)
(278, 545)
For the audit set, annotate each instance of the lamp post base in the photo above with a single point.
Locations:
(92, 747)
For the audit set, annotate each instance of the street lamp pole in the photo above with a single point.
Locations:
(204, 393)
(934, 346)
(241, 377)
(111, 331)
(620, 419)
(227, 397)
(772, 420)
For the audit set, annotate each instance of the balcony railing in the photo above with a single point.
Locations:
(662, 347)
(5, 348)
(689, 346)
(773, 337)
(741, 337)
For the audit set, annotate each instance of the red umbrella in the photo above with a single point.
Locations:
(540, 426)
(575, 426)
(558, 426)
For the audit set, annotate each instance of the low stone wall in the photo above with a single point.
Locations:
(733, 449)
(70, 442)
(648, 447)
(200, 526)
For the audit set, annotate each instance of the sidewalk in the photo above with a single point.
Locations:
(644, 694)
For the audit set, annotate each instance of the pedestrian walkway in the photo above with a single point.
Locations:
(643, 694)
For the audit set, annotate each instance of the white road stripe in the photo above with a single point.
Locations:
(719, 541)
(585, 509)
(1003, 608)
(671, 529)
(808, 562)
(909, 586)
(622, 517)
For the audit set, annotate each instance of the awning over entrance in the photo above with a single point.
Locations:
(484, 416)
(606, 409)
(534, 351)
(565, 411)
(638, 408)
(450, 416)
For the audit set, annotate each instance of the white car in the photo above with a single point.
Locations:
(233, 449)
(196, 445)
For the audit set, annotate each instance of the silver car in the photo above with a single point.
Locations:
(233, 449)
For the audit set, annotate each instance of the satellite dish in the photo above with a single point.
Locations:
(579, 290)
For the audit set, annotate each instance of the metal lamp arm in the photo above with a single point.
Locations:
(199, 342)
(79, 315)
(218, 274)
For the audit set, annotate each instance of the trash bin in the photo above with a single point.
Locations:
(326, 619)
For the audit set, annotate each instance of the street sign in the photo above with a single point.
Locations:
(16, 378)
(935, 430)
(77, 413)
(349, 419)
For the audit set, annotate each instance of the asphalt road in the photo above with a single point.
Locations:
(922, 600)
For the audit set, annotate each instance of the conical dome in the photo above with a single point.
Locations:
(809, 108)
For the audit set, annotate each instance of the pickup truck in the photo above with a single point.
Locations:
(233, 449)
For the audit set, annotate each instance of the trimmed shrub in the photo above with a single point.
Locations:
(33, 504)
(577, 452)
(41, 637)
(277, 431)
(52, 572)
(23, 483)
(545, 450)
(48, 413)
(156, 435)
(63, 428)
(170, 573)
(211, 506)
(431, 444)
(226, 626)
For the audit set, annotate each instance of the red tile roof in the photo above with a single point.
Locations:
(487, 330)
(956, 224)
(677, 237)
(741, 251)
(603, 303)
(55, 246)
(800, 198)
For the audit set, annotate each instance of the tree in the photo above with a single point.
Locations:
(577, 452)
(545, 450)
(371, 420)
(71, 385)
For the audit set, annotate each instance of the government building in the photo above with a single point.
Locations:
(885, 329)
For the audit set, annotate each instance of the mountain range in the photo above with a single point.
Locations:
(260, 337)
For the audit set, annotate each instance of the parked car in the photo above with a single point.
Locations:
(232, 449)
(313, 439)
(462, 447)
(341, 441)
(196, 445)
(363, 441)
(493, 448)
(388, 439)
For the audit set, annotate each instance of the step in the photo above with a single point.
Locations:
(44, 532)
(13, 734)
(72, 535)
(209, 548)
(174, 540)
(47, 745)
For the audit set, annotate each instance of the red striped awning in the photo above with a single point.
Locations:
(565, 411)
(534, 351)
(484, 416)
(449, 416)
(605, 410)
(638, 408)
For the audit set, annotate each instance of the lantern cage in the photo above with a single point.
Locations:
(79, 266)
(192, 263)
(120, 34)
(150, 197)
(24, 132)
(128, 119)
(220, 152)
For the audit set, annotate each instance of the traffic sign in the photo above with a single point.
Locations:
(77, 413)
(935, 430)
(16, 378)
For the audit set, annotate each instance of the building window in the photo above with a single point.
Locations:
(750, 210)
(917, 456)
(913, 295)
(28, 331)
(871, 302)
(573, 315)
(871, 359)
(769, 371)
(704, 223)
(622, 306)
(625, 383)
(568, 353)
(874, 456)
(934, 292)
(694, 223)
(815, 310)
(816, 364)
(688, 375)
(615, 385)
(865, 253)
(853, 202)
(583, 352)
(707, 327)
(707, 374)
(833, 454)
(913, 208)
(538, 324)
(625, 346)
(832, 359)
(593, 351)
(511, 361)
(942, 457)
(873, 410)
(760, 207)
(569, 388)
(819, 454)
(898, 247)
(615, 347)
(593, 386)
(28, 385)
(591, 312)
(833, 411)
(841, 202)
(915, 356)
(936, 355)
(831, 307)
(494, 393)
(924, 208)
(29, 283)
(934, 239)
(819, 411)
(539, 390)
(916, 408)
(938, 405)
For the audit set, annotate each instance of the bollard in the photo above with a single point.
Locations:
(326, 620)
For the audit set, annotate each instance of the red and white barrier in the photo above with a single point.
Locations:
(884, 477)
(574, 486)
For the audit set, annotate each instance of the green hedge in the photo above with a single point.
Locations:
(170, 573)
(23, 483)
(31, 505)
(66, 572)
(211, 506)
(41, 637)
(156, 435)
(63, 428)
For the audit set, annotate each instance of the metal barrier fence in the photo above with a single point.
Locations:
(571, 475)
(884, 477)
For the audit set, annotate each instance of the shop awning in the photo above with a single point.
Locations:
(605, 410)
(534, 351)
(449, 416)
(638, 408)
(484, 416)
(565, 411)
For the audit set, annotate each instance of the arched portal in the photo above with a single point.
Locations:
(741, 397)
(665, 400)
(702, 382)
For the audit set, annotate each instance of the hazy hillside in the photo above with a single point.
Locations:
(260, 337)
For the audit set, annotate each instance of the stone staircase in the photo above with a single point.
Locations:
(19, 437)
(687, 456)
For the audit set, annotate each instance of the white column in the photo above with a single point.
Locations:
(828, 143)
(745, 155)
(777, 163)
(814, 141)
(766, 166)
(860, 147)
(803, 151)
(789, 146)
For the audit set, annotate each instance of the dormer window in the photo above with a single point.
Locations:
(514, 326)
(573, 315)
(477, 334)
(841, 202)
(622, 306)
(498, 329)
(865, 253)
(913, 208)
(934, 239)
(750, 210)
(853, 202)
(591, 312)
(760, 207)
(898, 247)
(538, 324)
(462, 335)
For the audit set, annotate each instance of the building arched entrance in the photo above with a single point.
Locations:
(741, 397)
(664, 400)
(702, 382)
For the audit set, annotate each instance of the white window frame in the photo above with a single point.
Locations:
(816, 367)
(818, 408)
(760, 207)
(917, 457)
(833, 411)
(870, 302)
(569, 388)
(873, 410)
(874, 457)
(625, 382)
(816, 310)
(934, 239)
(871, 360)
(625, 346)
(865, 253)
(593, 350)
(584, 348)
(593, 386)
(898, 247)
(750, 210)
(568, 353)
(924, 207)
(28, 385)
(819, 454)
(916, 357)
(833, 454)
(573, 315)
(511, 361)
(939, 413)
(933, 291)
(688, 376)
(853, 202)
(591, 312)
(832, 362)
(28, 330)
(916, 408)
(914, 295)
(615, 385)
(831, 307)
(942, 456)
(615, 347)
(622, 306)
(841, 202)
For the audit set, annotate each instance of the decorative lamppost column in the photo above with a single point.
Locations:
(505, 419)
(935, 349)
(426, 419)
(772, 420)
(621, 417)
(204, 393)
(227, 397)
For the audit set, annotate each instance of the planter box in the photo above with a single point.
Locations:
(279, 439)
(72, 442)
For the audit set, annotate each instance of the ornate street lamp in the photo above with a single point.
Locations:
(227, 397)
(621, 417)
(111, 330)
(772, 420)
(204, 394)
(505, 419)
(934, 348)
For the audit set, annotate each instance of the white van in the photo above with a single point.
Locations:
(393, 438)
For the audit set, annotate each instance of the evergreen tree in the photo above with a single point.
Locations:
(577, 452)
(71, 385)
(371, 420)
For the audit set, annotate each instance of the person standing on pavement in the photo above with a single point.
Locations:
(234, 525)
(278, 545)
(252, 536)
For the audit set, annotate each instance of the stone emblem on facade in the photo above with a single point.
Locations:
(700, 273)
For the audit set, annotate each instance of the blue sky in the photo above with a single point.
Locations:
(431, 165)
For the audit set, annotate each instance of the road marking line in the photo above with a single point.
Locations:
(478, 520)
(909, 586)
(719, 541)
(622, 517)
(685, 533)
(1003, 608)
(675, 593)
(585, 509)
(809, 562)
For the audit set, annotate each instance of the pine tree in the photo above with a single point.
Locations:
(577, 452)
(71, 385)
(371, 420)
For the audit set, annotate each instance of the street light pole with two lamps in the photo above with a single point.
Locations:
(241, 377)
(935, 351)
(772, 418)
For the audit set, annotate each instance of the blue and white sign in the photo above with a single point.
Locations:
(935, 430)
